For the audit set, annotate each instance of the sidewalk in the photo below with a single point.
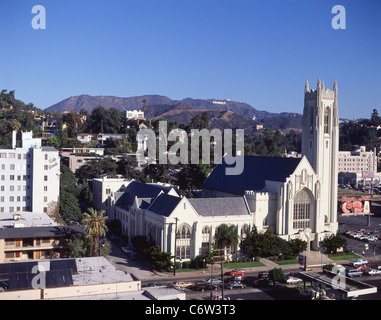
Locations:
(314, 259)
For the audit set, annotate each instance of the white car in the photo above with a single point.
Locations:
(373, 272)
(293, 280)
(372, 239)
(213, 281)
(358, 262)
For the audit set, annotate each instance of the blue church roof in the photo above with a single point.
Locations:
(256, 171)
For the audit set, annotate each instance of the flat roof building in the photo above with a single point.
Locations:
(29, 176)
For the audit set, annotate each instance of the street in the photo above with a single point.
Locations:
(280, 292)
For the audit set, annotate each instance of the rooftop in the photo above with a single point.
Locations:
(25, 219)
(255, 173)
(209, 207)
(34, 232)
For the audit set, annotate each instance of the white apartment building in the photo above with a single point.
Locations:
(29, 176)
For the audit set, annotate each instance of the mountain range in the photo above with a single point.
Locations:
(223, 113)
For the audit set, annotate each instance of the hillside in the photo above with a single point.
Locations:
(236, 114)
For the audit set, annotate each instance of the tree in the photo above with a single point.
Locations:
(227, 236)
(78, 247)
(160, 260)
(374, 118)
(200, 121)
(334, 242)
(69, 207)
(297, 246)
(95, 226)
(277, 275)
(73, 121)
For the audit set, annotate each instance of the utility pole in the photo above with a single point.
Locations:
(220, 260)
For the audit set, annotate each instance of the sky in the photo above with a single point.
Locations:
(258, 52)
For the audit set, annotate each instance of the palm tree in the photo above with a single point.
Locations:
(95, 226)
(227, 236)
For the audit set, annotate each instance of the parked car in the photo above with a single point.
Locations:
(363, 268)
(293, 280)
(373, 272)
(203, 286)
(263, 275)
(235, 278)
(237, 272)
(234, 284)
(351, 272)
(263, 283)
(358, 262)
(181, 284)
(127, 250)
(214, 281)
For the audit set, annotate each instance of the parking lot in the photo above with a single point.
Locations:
(355, 228)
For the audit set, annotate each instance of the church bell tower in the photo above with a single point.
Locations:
(320, 144)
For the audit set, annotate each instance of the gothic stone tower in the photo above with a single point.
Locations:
(320, 144)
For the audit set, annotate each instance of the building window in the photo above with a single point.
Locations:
(45, 178)
(183, 232)
(302, 210)
(206, 230)
(183, 252)
(204, 248)
(326, 121)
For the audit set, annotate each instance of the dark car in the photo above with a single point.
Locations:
(263, 275)
(203, 286)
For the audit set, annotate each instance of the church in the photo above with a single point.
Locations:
(295, 197)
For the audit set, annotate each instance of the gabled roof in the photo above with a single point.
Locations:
(164, 204)
(256, 171)
(209, 207)
(140, 190)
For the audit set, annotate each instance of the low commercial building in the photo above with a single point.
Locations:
(72, 279)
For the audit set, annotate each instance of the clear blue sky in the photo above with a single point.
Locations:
(258, 52)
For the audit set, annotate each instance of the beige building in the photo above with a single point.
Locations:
(30, 243)
(359, 163)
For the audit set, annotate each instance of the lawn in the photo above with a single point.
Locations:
(230, 265)
(249, 264)
(343, 256)
(282, 262)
